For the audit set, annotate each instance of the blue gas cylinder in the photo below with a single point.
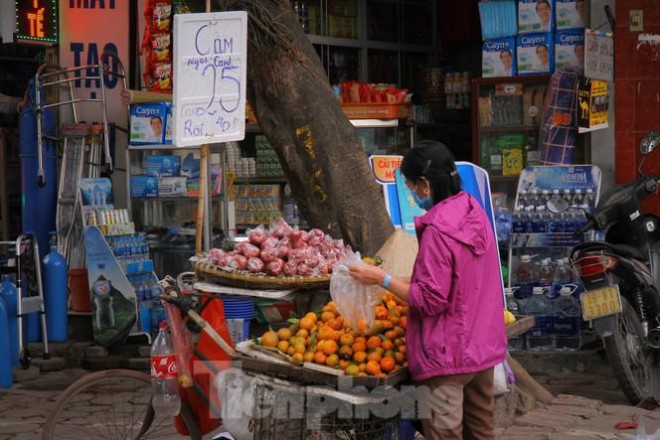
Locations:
(6, 378)
(55, 294)
(39, 203)
(10, 295)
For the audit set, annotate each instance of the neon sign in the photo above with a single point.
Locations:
(36, 21)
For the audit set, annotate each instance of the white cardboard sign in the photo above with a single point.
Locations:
(599, 55)
(210, 59)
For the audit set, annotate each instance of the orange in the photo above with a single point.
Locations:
(270, 339)
(387, 324)
(312, 316)
(320, 345)
(400, 331)
(284, 333)
(391, 335)
(373, 368)
(291, 351)
(362, 325)
(359, 356)
(283, 346)
(352, 370)
(387, 345)
(374, 356)
(402, 349)
(302, 333)
(403, 322)
(297, 358)
(398, 342)
(300, 348)
(343, 364)
(345, 352)
(330, 347)
(306, 323)
(400, 357)
(381, 312)
(346, 339)
(391, 304)
(359, 346)
(320, 357)
(308, 356)
(327, 316)
(387, 364)
(325, 332)
(362, 367)
(334, 324)
(332, 360)
(373, 342)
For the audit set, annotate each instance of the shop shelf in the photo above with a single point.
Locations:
(509, 128)
(260, 179)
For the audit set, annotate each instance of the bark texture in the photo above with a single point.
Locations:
(319, 150)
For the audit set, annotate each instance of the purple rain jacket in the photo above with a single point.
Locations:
(456, 322)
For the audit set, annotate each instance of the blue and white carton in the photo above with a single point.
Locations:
(148, 123)
(569, 14)
(144, 186)
(536, 16)
(498, 58)
(169, 123)
(162, 166)
(569, 49)
(535, 54)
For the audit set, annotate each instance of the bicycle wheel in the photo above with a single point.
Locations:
(112, 404)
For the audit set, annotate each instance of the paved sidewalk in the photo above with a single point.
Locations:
(24, 407)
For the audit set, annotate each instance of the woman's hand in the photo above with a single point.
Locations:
(367, 274)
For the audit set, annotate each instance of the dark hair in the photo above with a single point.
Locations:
(433, 161)
(547, 3)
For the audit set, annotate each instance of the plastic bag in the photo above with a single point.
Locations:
(355, 301)
(503, 378)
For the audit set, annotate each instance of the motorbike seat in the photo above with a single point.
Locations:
(624, 250)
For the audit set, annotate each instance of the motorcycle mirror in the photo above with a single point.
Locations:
(557, 205)
(650, 142)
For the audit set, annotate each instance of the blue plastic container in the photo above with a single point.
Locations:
(56, 294)
(6, 379)
(10, 295)
(39, 203)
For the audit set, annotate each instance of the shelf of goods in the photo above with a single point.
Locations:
(551, 204)
(124, 289)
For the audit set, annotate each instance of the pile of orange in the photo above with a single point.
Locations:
(327, 339)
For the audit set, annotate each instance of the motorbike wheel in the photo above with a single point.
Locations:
(631, 357)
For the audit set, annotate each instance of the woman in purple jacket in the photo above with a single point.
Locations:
(456, 331)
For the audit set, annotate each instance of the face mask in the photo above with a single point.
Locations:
(424, 203)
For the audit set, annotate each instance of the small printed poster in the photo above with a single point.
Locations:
(599, 55)
(593, 105)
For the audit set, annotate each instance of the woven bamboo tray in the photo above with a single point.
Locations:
(248, 280)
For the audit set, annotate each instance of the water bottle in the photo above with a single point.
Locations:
(517, 343)
(578, 197)
(540, 337)
(524, 277)
(544, 277)
(503, 225)
(568, 321)
(590, 199)
(9, 293)
(545, 197)
(561, 276)
(530, 218)
(541, 220)
(56, 294)
(290, 208)
(165, 399)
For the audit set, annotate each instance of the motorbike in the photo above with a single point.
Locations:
(621, 278)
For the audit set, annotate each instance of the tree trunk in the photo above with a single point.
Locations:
(320, 152)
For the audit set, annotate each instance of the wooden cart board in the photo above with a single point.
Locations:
(270, 361)
(520, 326)
(247, 280)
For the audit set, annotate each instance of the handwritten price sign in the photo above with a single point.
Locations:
(210, 58)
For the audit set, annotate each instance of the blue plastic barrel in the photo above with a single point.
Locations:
(39, 204)
(6, 379)
(10, 295)
(56, 294)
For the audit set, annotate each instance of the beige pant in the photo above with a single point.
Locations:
(461, 406)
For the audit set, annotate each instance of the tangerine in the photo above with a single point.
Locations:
(283, 346)
(320, 357)
(325, 332)
(284, 333)
(373, 342)
(346, 339)
(300, 348)
(297, 358)
(352, 370)
(270, 339)
(335, 324)
(373, 368)
(359, 356)
(391, 335)
(343, 363)
(302, 333)
(312, 316)
(332, 360)
(345, 352)
(381, 312)
(387, 345)
(308, 356)
(330, 347)
(359, 346)
(306, 323)
(291, 351)
(374, 356)
(327, 316)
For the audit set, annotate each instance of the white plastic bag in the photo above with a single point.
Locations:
(503, 378)
(355, 301)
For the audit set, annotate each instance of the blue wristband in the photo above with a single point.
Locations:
(386, 282)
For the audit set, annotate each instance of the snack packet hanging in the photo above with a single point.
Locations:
(356, 302)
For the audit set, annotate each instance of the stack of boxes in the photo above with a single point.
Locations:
(268, 164)
(550, 35)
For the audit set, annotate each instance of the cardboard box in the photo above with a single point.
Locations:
(172, 187)
(535, 54)
(169, 123)
(498, 58)
(162, 166)
(533, 100)
(148, 123)
(144, 186)
(593, 104)
(569, 49)
(536, 16)
(569, 14)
